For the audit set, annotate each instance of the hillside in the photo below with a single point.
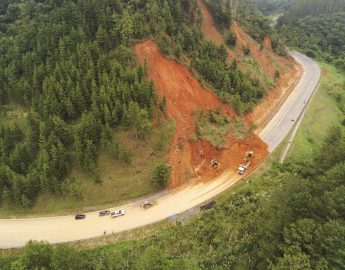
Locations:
(269, 7)
(98, 99)
(316, 28)
(186, 98)
(78, 114)
(262, 63)
(305, 8)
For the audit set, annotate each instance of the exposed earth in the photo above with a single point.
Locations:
(290, 71)
(185, 95)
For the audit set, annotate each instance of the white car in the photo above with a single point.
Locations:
(117, 213)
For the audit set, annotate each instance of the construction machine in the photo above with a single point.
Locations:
(242, 168)
(215, 164)
(146, 204)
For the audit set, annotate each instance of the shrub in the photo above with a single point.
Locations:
(246, 50)
(161, 175)
(277, 74)
(231, 39)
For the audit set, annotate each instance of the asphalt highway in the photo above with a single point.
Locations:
(284, 120)
(16, 232)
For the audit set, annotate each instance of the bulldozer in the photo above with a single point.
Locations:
(242, 168)
(146, 204)
(215, 164)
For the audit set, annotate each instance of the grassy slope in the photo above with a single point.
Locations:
(121, 182)
(322, 114)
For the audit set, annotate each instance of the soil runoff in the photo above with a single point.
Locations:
(16, 232)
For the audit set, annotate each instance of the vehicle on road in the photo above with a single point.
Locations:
(79, 216)
(208, 205)
(117, 213)
(104, 213)
(247, 160)
(148, 204)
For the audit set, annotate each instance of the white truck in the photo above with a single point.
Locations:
(242, 168)
(117, 213)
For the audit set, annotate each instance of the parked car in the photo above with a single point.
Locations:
(104, 213)
(79, 216)
(117, 213)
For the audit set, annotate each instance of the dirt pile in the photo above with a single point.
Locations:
(267, 60)
(185, 95)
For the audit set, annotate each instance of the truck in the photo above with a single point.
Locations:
(117, 213)
(242, 168)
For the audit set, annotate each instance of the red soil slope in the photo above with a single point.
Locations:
(269, 62)
(184, 94)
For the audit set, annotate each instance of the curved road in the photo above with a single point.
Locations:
(16, 232)
(283, 121)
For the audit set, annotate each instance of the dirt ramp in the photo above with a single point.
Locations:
(185, 95)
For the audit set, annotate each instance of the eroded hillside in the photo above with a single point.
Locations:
(185, 96)
(262, 60)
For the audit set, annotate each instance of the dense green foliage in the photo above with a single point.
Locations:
(319, 36)
(249, 16)
(161, 175)
(70, 68)
(316, 28)
(272, 6)
(66, 64)
(303, 8)
(299, 225)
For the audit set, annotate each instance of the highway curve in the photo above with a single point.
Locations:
(16, 232)
(283, 121)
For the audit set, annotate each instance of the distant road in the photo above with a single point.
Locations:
(283, 121)
(16, 232)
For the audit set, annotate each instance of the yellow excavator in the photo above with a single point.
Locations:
(242, 168)
(215, 164)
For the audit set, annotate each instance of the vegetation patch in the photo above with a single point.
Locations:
(278, 212)
(215, 127)
(324, 111)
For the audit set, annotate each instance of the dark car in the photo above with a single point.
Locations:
(104, 213)
(207, 206)
(79, 216)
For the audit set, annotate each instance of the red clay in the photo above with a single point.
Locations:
(267, 42)
(210, 31)
(184, 94)
(269, 62)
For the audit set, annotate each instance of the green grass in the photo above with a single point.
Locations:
(13, 114)
(215, 127)
(253, 68)
(323, 113)
(120, 182)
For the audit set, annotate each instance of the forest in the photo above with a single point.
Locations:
(250, 17)
(299, 225)
(68, 67)
(308, 26)
(269, 7)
